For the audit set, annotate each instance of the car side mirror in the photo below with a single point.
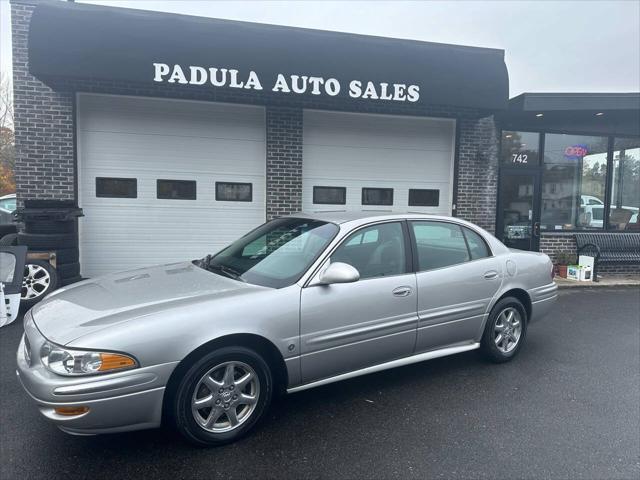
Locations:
(339, 273)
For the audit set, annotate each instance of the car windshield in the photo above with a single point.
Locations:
(275, 254)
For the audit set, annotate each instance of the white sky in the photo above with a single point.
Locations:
(567, 46)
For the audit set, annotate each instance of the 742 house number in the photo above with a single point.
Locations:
(519, 158)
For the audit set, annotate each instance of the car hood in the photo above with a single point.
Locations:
(106, 301)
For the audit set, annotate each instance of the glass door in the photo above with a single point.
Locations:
(518, 224)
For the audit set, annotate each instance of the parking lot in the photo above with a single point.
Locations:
(567, 407)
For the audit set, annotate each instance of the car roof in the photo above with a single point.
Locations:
(342, 216)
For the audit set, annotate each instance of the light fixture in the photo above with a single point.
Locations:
(599, 114)
(539, 115)
(508, 136)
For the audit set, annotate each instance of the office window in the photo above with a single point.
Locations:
(424, 197)
(234, 192)
(520, 148)
(573, 182)
(625, 185)
(176, 189)
(330, 195)
(107, 187)
(377, 196)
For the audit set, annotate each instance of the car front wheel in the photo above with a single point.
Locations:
(222, 396)
(505, 330)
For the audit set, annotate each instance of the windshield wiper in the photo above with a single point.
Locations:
(227, 271)
(223, 269)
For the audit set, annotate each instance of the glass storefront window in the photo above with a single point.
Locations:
(573, 182)
(520, 148)
(625, 185)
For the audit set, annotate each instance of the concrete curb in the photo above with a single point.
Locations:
(603, 283)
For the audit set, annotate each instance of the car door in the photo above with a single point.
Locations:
(348, 326)
(456, 279)
(12, 260)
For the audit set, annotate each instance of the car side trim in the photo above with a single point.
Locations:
(442, 352)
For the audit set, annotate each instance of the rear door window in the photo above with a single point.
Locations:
(439, 245)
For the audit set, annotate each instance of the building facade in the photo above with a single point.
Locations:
(170, 130)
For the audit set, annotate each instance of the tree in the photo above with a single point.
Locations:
(7, 138)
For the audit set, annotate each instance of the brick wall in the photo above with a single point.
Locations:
(478, 146)
(284, 161)
(45, 143)
(43, 121)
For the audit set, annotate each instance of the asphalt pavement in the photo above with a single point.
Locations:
(567, 407)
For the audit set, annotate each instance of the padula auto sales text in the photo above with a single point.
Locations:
(288, 84)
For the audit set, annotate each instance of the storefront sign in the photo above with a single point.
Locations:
(575, 152)
(286, 84)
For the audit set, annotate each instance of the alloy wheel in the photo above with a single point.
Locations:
(225, 397)
(35, 282)
(507, 330)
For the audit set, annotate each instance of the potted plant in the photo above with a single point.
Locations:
(563, 259)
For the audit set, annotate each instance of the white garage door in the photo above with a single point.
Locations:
(377, 162)
(165, 180)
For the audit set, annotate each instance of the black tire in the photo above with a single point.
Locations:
(49, 227)
(27, 300)
(488, 345)
(43, 241)
(68, 270)
(67, 255)
(10, 239)
(69, 281)
(180, 406)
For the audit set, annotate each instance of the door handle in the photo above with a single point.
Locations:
(490, 274)
(401, 291)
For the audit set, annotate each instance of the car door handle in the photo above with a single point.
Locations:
(490, 274)
(401, 291)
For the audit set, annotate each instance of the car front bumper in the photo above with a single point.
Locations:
(117, 402)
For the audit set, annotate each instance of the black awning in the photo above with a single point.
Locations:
(70, 40)
(580, 113)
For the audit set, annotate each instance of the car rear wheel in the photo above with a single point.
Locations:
(505, 330)
(222, 396)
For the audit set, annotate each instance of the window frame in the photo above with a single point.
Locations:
(217, 196)
(343, 189)
(195, 189)
(135, 184)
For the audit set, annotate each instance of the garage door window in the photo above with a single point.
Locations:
(377, 196)
(424, 197)
(234, 192)
(108, 187)
(439, 245)
(330, 195)
(176, 189)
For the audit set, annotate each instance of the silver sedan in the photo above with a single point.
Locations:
(300, 301)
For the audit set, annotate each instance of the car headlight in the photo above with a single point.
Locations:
(66, 361)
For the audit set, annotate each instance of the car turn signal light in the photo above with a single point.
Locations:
(114, 361)
(71, 411)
